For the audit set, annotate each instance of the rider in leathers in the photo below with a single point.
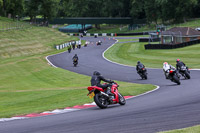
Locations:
(166, 69)
(96, 81)
(75, 57)
(179, 64)
(139, 66)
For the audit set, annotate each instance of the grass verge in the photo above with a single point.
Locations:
(194, 129)
(130, 53)
(31, 85)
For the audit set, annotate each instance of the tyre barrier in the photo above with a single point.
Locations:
(171, 46)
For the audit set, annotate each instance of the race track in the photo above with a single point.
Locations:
(170, 107)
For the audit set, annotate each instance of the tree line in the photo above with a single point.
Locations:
(152, 10)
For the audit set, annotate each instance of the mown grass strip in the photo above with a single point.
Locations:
(194, 129)
(32, 85)
(130, 53)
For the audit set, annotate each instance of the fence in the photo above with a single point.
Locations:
(171, 46)
(4, 26)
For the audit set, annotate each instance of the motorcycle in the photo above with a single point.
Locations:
(173, 76)
(75, 62)
(99, 43)
(103, 99)
(184, 72)
(143, 73)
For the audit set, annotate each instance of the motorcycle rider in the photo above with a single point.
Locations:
(179, 64)
(139, 66)
(75, 58)
(166, 69)
(69, 47)
(96, 81)
(99, 42)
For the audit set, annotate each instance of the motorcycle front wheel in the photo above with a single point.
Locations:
(122, 100)
(145, 76)
(101, 101)
(187, 75)
(176, 80)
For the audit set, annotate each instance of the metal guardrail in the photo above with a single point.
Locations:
(108, 34)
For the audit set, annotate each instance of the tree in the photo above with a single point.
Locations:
(151, 10)
(176, 10)
(32, 9)
(1, 7)
(137, 9)
(116, 8)
(196, 11)
(14, 7)
(184, 9)
(49, 8)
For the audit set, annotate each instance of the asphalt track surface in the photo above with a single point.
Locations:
(170, 107)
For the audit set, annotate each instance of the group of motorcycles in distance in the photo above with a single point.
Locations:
(170, 72)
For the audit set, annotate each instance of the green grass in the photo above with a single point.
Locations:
(127, 40)
(9, 24)
(194, 23)
(130, 53)
(29, 85)
(194, 129)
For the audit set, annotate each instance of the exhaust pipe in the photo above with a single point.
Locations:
(104, 94)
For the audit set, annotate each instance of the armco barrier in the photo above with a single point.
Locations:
(110, 34)
(149, 39)
(171, 46)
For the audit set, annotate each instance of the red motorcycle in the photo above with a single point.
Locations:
(103, 99)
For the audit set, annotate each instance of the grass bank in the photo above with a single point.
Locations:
(194, 129)
(29, 85)
(130, 53)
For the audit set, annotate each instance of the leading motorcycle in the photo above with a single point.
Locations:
(102, 99)
(173, 76)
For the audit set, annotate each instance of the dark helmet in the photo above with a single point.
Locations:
(177, 60)
(138, 62)
(75, 54)
(96, 73)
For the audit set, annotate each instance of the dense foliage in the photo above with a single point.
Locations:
(152, 10)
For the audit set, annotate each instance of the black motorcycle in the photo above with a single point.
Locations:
(99, 43)
(184, 72)
(173, 76)
(143, 73)
(75, 62)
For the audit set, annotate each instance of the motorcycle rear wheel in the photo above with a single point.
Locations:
(100, 101)
(122, 100)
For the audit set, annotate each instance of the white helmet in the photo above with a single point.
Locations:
(165, 63)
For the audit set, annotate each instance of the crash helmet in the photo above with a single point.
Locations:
(96, 73)
(165, 63)
(177, 60)
(138, 62)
